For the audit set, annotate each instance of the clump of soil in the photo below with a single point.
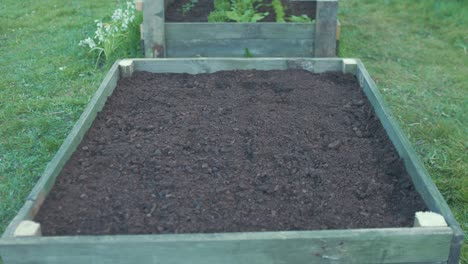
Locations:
(232, 151)
(200, 11)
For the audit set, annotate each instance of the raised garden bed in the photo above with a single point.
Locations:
(179, 38)
(282, 151)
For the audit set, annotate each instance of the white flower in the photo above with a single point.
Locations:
(107, 28)
(117, 15)
(88, 42)
(111, 32)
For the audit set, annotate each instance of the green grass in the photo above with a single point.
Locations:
(46, 80)
(415, 50)
(417, 53)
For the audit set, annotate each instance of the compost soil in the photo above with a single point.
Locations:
(200, 11)
(232, 151)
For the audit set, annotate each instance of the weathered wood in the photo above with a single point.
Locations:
(154, 29)
(231, 39)
(142, 33)
(236, 48)
(428, 219)
(208, 65)
(349, 66)
(139, 5)
(142, 38)
(325, 28)
(26, 213)
(187, 39)
(399, 245)
(316, 65)
(191, 31)
(167, 3)
(338, 30)
(28, 228)
(126, 68)
(421, 179)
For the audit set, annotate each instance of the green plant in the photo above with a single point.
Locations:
(247, 53)
(245, 11)
(219, 14)
(222, 5)
(188, 6)
(117, 35)
(279, 10)
(236, 10)
(300, 19)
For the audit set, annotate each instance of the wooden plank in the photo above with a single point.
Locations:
(139, 5)
(208, 65)
(316, 65)
(167, 3)
(126, 68)
(47, 180)
(236, 48)
(26, 213)
(190, 31)
(325, 28)
(338, 30)
(349, 66)
(421, 179)
(205, 65)
(28, 228)
(399, 245)
(154, 29)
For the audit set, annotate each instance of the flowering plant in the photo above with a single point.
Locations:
(120, 32)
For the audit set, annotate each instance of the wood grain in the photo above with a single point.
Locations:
(399, 245)
(202, 30)
(325, 28)
(237, 47)
(154, 29)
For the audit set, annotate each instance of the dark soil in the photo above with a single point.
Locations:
(200, 12)
(232, 151)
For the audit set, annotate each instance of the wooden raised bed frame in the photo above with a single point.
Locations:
(262, 39)
(387, 245)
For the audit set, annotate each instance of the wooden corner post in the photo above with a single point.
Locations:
(154, 29)
(325, 28)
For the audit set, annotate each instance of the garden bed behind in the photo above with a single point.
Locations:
(201, 10)
(169, 33)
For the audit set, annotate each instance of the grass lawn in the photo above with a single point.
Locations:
(417, 51)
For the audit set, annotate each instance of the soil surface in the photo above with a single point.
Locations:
(232, 151)
(200, 11)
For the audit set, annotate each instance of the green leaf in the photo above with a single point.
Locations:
(233, 16)
(258, 16)
(247, 53)
(300, 19)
